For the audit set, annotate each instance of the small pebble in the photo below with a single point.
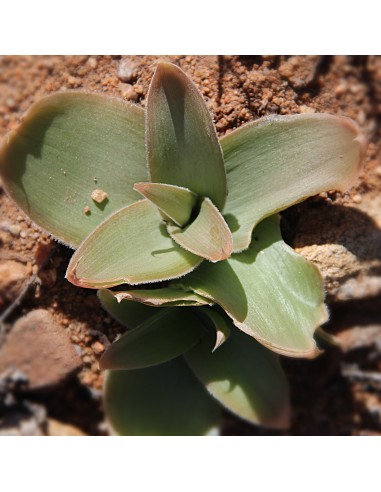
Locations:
(98, 347)
(99, 196)
(127, 70)
(86, 210)
(378, 170)
(14, 230)
(93, 63)
(357, 198)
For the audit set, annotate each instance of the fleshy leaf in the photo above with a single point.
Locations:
(245, 377)
(175, 202)
(277, 161)
(219, 323)
(270, 292)
(161, 297)
(164, 336)
(164, 400)
(132, 246)
(207, 236)
(129, 314)
(182, 143)
(67, 146)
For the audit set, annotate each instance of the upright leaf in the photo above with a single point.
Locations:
(182, 144)
(277, 161)
(245, 377)
(164, 336)
(67, 146)
(132, 246)
(164, 400)
(270, 292)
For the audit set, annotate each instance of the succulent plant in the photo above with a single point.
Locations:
(179, 232)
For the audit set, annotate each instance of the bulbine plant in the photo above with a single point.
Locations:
(179, 232)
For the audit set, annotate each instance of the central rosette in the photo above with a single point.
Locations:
(195, 223)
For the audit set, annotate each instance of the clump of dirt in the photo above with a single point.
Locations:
(338, 393)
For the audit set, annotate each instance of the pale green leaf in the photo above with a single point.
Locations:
(132, 246)
(164, 400)
(269, 291)
(67, 146)
(182, 144)
(161, 297)
(175, 202)
(219, 324)
(277, 161)
(166, 335)
(129, 314)
(245, 377)
(207, 236)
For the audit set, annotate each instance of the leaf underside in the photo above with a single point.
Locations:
(68, 145)
(130, 314)
(278, 161)
(245, 377)
(164, 400)
(207, 236)
(182, 143)
(161, 297)
(164, 336)
(132, 246)
(270, 292)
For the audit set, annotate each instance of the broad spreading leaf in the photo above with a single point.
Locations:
(67, 146)
(270, 292)
(277, 161)
(245, 377)
(165, 400)
(132, 246)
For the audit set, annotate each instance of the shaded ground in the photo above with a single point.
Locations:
(339, 393)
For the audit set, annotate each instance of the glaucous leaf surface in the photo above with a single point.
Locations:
(182, 143)
(175, 202)
(245, 377)
(164, 336)
(270, 292)
(164, 400)
(67, 146)
(161, 297)
(129, 314)
(277, 161)
(132, 246)
(207, 236)
(218, 322)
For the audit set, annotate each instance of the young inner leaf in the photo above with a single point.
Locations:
(207, 236)
(175, 202)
